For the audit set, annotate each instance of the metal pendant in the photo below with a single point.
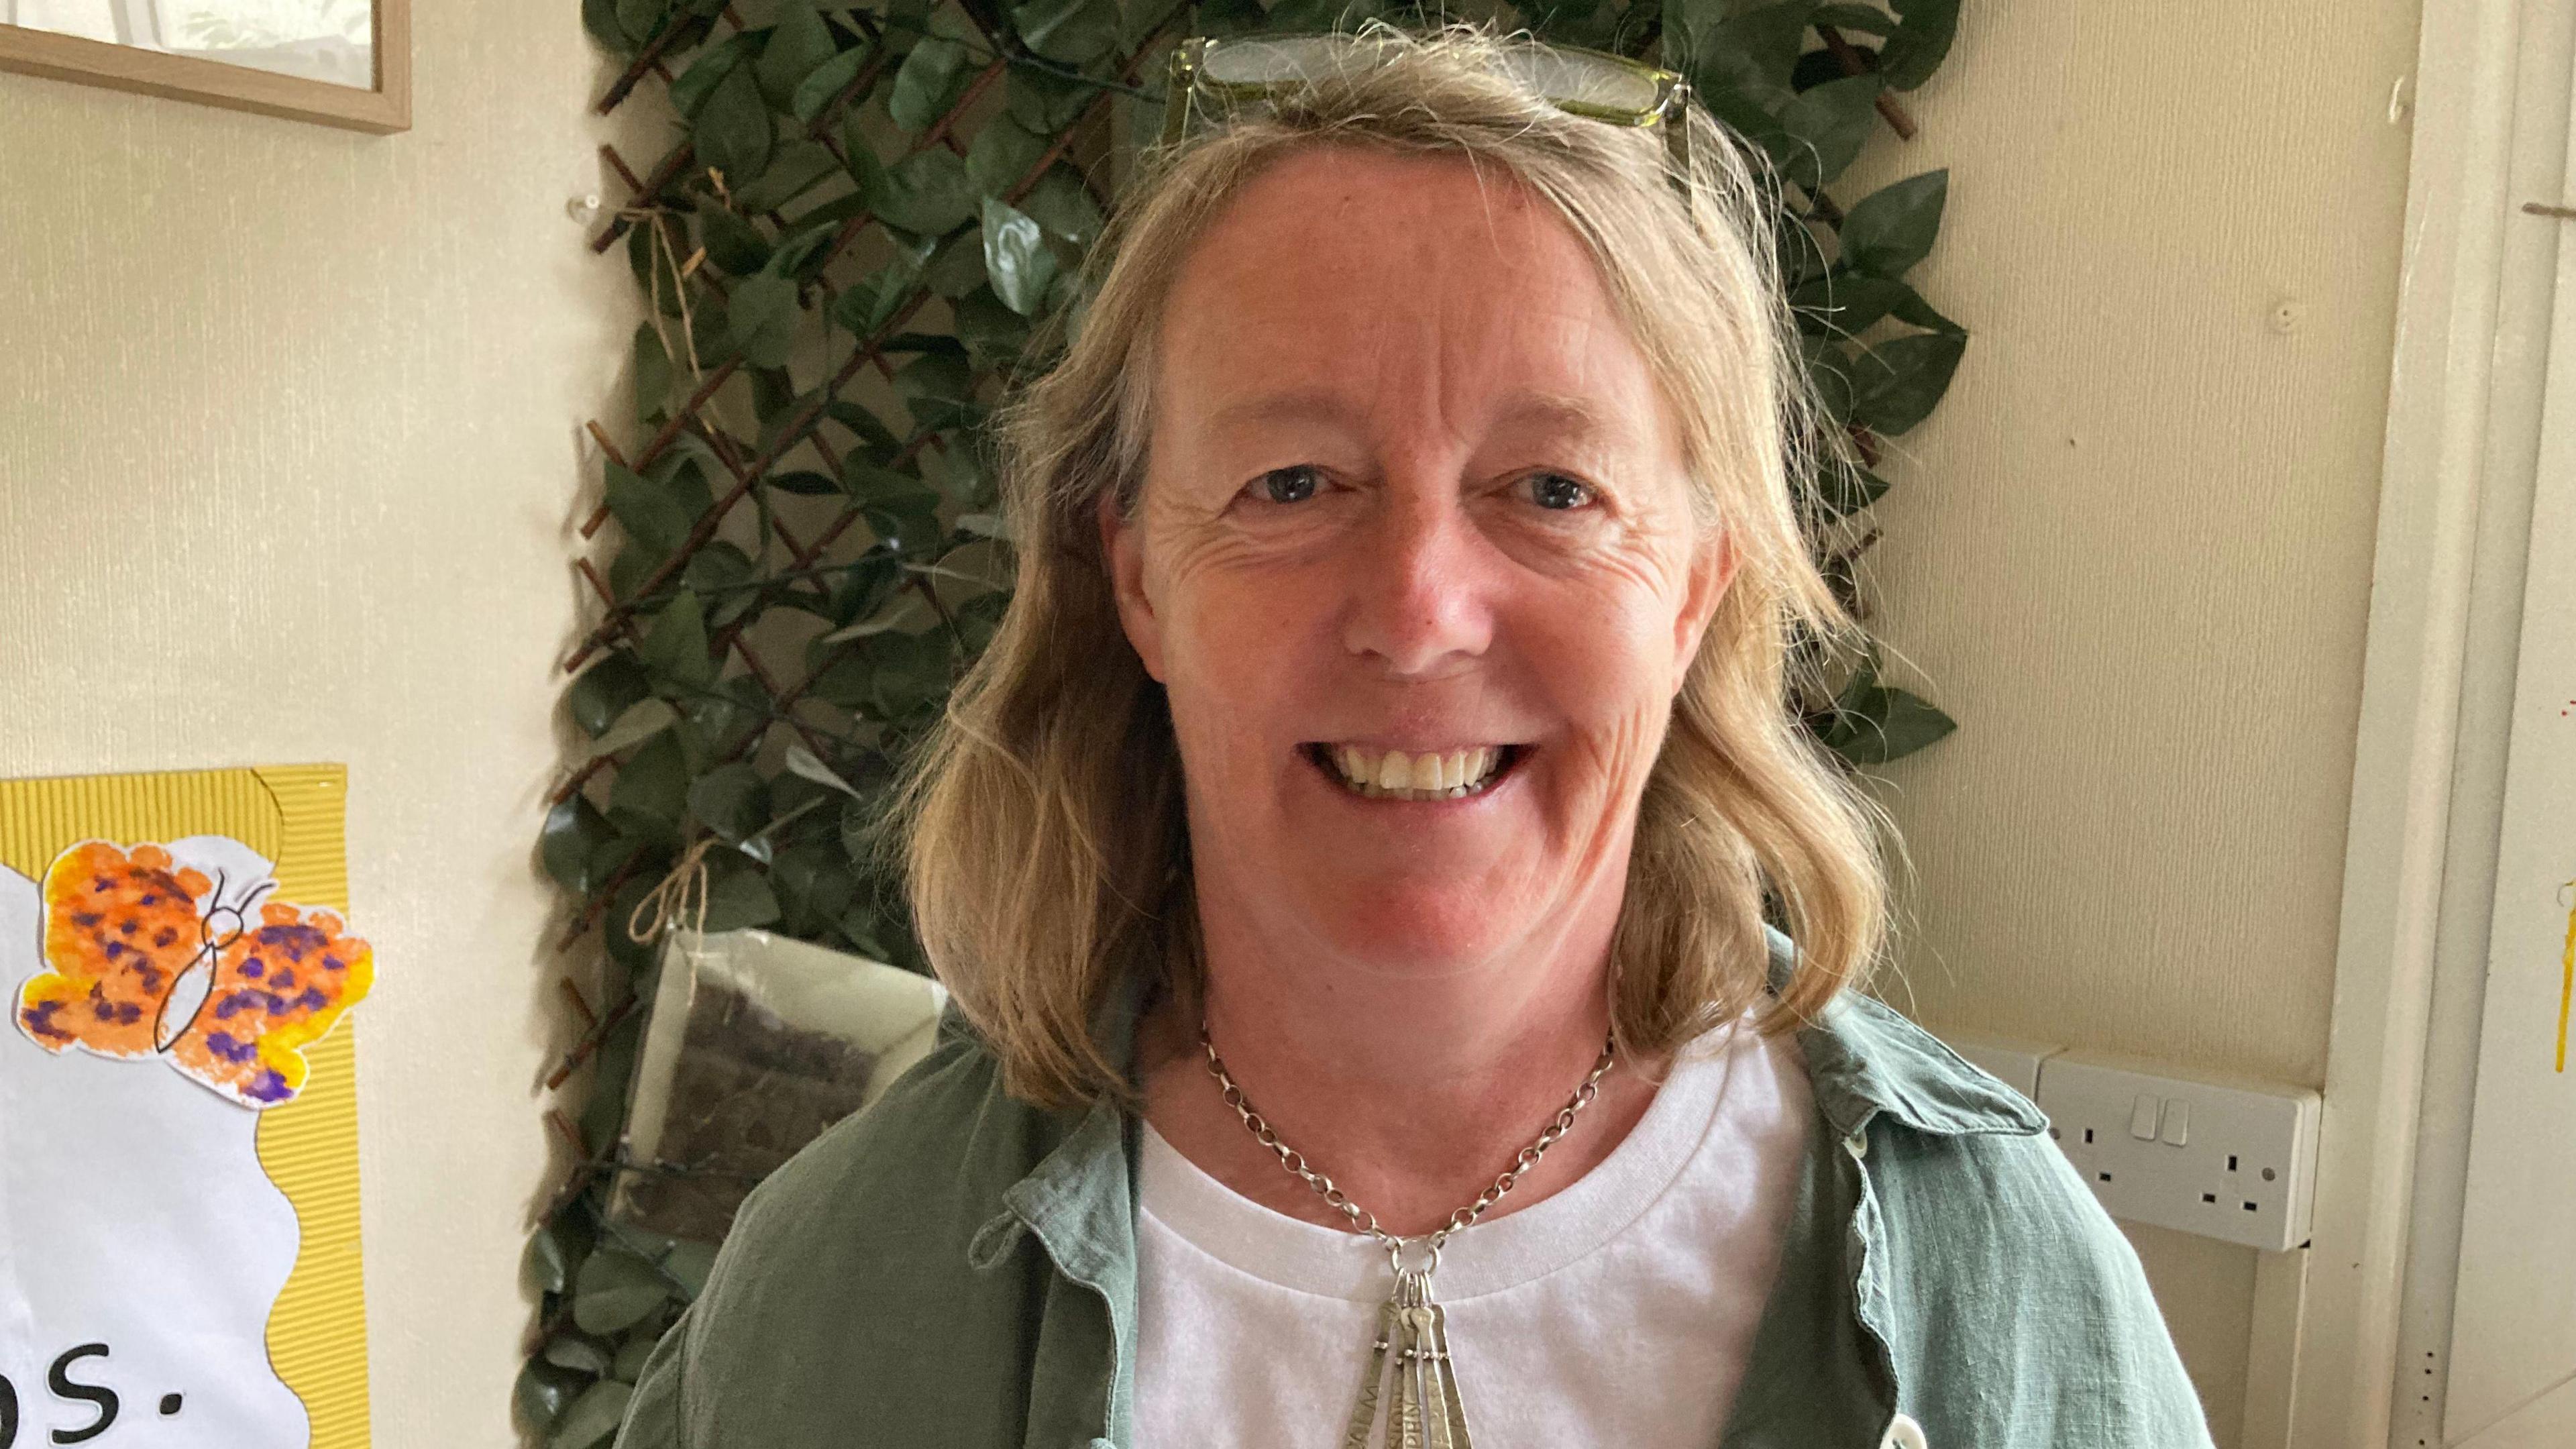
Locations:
(1409, 1388)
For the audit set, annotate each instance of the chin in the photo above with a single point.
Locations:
(1416, 934)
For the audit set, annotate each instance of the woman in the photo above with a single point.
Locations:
(1349, 863)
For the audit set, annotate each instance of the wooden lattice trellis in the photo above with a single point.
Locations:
(844, 256)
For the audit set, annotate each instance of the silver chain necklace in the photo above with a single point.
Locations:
(1422, 1410)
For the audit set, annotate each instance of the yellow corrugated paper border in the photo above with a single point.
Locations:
(294, 815)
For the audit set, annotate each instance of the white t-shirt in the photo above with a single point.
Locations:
(1620, 1310)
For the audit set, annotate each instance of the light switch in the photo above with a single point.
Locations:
(2142, 1117)
(2178, 1122)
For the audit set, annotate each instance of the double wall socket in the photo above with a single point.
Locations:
(2224, 1156)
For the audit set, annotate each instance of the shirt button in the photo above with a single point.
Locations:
(1857, 1145)
(1903, 1433)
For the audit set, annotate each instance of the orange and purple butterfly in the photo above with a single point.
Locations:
(150, 958)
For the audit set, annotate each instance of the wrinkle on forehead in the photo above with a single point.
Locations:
(1245, 274)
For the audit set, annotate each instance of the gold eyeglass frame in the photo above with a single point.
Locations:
(1187, 79)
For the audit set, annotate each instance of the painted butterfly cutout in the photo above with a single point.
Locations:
(150, 958)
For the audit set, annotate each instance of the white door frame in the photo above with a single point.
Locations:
(2339, 1326)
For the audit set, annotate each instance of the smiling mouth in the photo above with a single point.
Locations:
(1430, 775)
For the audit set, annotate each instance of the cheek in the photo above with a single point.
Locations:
(1237, 651)
(1605, 663)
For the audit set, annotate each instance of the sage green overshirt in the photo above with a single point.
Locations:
(955, 1268)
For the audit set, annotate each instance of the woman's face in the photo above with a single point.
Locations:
(1415, 513)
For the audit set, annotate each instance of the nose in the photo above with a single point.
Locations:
(1421, 584)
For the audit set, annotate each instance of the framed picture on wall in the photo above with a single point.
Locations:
(340, 62)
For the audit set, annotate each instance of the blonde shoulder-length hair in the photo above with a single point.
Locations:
(1040, 826)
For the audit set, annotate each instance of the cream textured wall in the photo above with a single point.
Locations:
(287, 445)
(2131, 551)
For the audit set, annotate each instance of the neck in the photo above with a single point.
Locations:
(1411, 1092)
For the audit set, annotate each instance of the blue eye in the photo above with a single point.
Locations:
(1557, 492)
(1287, 485)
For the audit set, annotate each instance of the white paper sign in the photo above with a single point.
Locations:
(142, 1246)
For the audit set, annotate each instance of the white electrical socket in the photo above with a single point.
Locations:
(2224, 1156)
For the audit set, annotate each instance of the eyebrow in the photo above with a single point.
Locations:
(1561, 412)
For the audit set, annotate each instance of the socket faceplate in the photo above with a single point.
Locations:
(2226, 1157)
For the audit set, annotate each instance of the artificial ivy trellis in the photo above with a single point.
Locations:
(844, 253)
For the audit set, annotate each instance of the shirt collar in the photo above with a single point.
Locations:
(1863, 1059)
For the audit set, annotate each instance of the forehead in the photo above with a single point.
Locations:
(1378, 279)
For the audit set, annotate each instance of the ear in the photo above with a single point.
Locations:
(1122, 551)
(1712, 570)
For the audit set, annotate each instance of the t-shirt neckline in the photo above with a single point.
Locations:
(1488, 1257)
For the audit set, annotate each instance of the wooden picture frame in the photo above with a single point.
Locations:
(385, 109)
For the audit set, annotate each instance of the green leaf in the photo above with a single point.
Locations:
(574, 832)
(1842, 492)
(1844, 305)
(647, 511)
(871, 302)
(928, 192)
(689, 93)
(731, 800)
(902, 509)
(798, 167)
(1016, 258)
(1288, 15)
(599, 17)
(1919, 44)
(653, 785)
(994, 334)
(763, 317)
(911, 671)
(908, 611)
(1072, 31)
(814, 93)
(1064, 207)
(980, 617)
(579, 1352)
(1752, 50)
(798, 44)
(614, 1290)
(1896, 383)
(1826, 127)
(733, 132)
(641, 20)
(593, 1416)
(653, 374)
(1830, 371)
(629, 1365)
(735, 246)
(1868, 19)
(546, 1263)
(927, 83)
(957, 270)
(542, 1391)
(805, 764)
(604, 691)
(1001, 153)
(813, 886)
(1882, 723)
(1912, 308)
(738, 899)
(1042, 101)
(1886, 232)
(675, 648)
(801, 253)
(645, 719)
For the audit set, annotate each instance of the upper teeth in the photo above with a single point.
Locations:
(1429, 770)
